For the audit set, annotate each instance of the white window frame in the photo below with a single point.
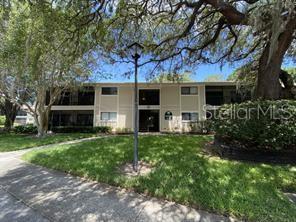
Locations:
(109, 94)
(190, 121)
(190, 94)
(108, 120)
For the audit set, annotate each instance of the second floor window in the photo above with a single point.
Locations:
(189, 90)
(149, 97)
(65, 99)
(80, 97)
(86, 98)
(109, 90)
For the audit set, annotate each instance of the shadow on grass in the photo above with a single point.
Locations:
(12, 141)
(182, 174)
(61, 197)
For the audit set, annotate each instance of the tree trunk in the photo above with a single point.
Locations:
(42, 123)
(268, 85)
(10, 111)
(42, 112)
(268, 76)
(8, 124)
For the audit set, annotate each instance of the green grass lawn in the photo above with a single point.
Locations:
(182, 173)
(11, 141)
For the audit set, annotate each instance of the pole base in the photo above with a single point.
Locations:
(135, 167)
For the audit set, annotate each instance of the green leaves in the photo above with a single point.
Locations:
(263, 124)
(38, 51)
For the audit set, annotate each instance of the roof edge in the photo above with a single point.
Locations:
(176, 83)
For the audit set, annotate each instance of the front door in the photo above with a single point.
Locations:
(149, 120)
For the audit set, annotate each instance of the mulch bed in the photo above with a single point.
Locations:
(232, 150)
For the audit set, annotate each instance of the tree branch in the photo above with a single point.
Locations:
(231, 14)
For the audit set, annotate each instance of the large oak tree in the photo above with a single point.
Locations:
(202, 31)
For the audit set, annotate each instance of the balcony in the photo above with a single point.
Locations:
(83, 97)
(71, 118)
(149, 97)
(219, 95)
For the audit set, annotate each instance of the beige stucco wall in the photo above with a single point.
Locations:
(173, 125)
(97, 106)
(108, 103)
(105, 103)
(202, 102)
(125, 109)
(189, 102)
(170, 101)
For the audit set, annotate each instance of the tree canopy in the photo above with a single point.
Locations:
(214, 78)
(172, 78)
(175, 34)
(186, 33)
(245, 77)
(38, 55)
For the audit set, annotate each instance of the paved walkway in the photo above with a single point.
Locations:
(33, 193)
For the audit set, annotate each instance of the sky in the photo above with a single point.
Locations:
(200, 73)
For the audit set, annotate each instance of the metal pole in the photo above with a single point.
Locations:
(136, 115)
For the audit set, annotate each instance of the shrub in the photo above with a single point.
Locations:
(200, 127)
(265, 124)
(124, 130)
(207, 126)
(72, 129)
(81, 129)
(25, 129)
(2, 120)
(102, 129)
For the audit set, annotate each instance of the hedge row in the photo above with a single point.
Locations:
(31, 129)
(25, 129)
(265, 124)
(82, 129)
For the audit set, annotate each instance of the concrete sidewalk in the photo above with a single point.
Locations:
(32, 193)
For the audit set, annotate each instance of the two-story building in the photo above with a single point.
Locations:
(163, 107)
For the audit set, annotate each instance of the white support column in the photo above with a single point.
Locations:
(202, 102)
(97, 105)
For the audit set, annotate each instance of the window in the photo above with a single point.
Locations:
(86, 98)
(65, 99)
(218, 95)
(214, 98)
(188, 116)
(21, 113)
(109, 90)
(65, 119)
(235, 97)
(85, 119)
(149, 97)
(189, 90)
(71, 118)
(109, 116)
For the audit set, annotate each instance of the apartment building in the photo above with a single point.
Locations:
(164, 107)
